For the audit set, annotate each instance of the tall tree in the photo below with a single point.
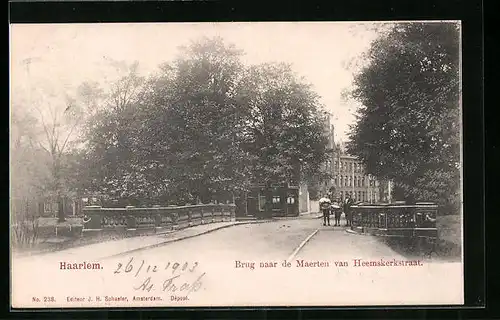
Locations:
(58, 119)
(408, 127)
(108, 158)
(195, 105)
(178, 138)
(284, 127)
(206, 125)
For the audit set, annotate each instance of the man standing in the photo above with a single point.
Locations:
(337, 211)
(324, 204)
(347, 210)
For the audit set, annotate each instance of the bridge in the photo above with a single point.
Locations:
(260, 261)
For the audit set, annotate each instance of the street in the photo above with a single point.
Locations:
(246, 265)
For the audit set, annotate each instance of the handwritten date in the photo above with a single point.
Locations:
(136, 269)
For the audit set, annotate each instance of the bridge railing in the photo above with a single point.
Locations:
(396, 220)
(132, 220)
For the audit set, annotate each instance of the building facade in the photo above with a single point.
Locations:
(350, 179)
(347, 174)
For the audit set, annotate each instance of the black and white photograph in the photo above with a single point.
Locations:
(236, 164)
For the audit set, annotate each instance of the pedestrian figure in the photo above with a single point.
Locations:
(347, 210)
(324, 204)
(338, 212)
(86, 219)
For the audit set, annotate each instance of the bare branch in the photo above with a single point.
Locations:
(45, 149)
(69, 135)
(45, 129)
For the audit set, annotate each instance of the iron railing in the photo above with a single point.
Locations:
(396, 220)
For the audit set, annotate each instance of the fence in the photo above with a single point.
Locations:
(395, 220)
(132, 220)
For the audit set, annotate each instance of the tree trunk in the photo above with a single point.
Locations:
(41, 208)
(60, 210)
(268, 213)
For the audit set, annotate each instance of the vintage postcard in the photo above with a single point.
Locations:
(236, 164)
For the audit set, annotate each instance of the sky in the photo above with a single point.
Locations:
(59, 57)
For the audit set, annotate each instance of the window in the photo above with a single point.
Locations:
(49, 207)
(276, 202)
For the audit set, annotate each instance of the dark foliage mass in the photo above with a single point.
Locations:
(408, 129)
(203, 126)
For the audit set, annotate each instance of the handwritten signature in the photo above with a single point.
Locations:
(173, 284)
(182, 278)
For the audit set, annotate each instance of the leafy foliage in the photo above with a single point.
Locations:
(408, 129)
(284, 128)
(203, 125)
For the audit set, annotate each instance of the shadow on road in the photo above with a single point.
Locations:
(414, 248)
